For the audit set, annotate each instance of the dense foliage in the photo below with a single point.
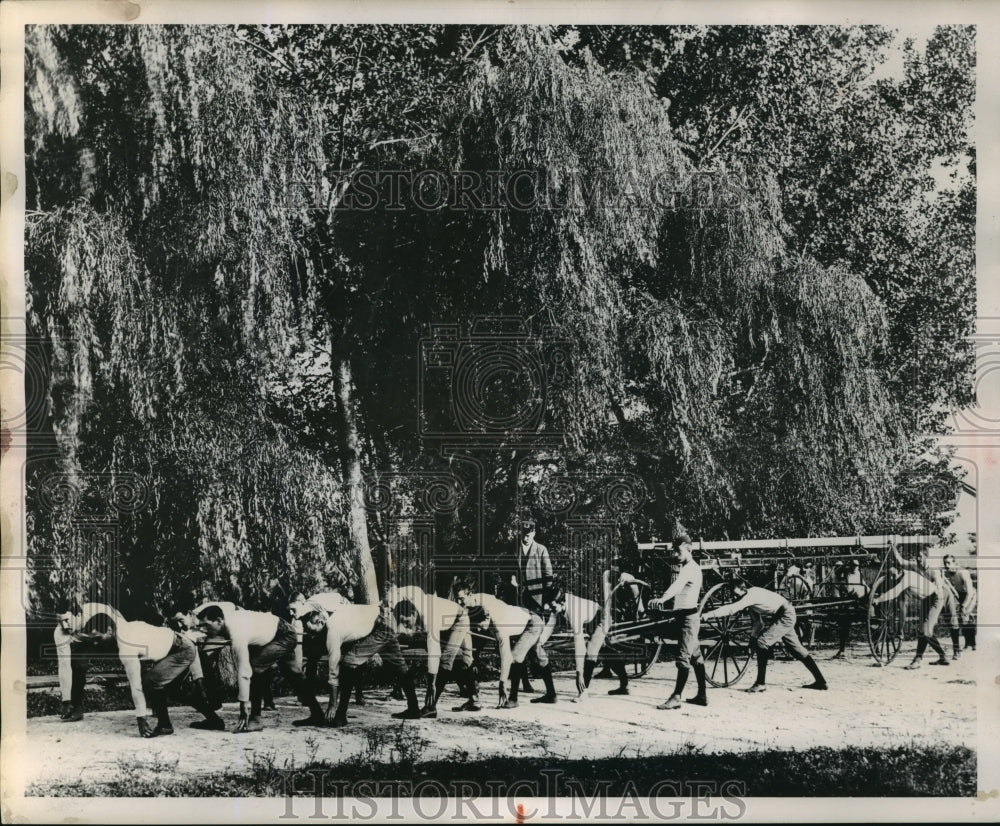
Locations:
(225, 328)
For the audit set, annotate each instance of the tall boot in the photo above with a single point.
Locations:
(763, 655)
(443, 678)
(432, 691)
(970, 636)
(956, 648)
(256, 695)
(412, 704)
(79, 667)
(819, 682)
(674, 700)
(550, 690)
(516, 670)
(202, 704)
(470, 689)
(942, 659)
(267, 693)
(348, 680)
(526, 686)
(701, 698)
(619, 669)
(588, 671)
(921, 648)
(306, 696)
(158, 702)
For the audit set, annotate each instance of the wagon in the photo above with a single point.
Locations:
(726, 641)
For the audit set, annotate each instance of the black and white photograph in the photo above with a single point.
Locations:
(500, 413)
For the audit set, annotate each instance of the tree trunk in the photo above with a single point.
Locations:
(366, 584)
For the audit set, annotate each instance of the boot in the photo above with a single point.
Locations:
(158, 702)
(432, 691)
(588, 672)
(413, 710)
(701, 698)
(516, 670)
(204, 698)
(819, 682)
(75, 715)
(470, 689)
(316, 716)
(763, 655)
(443, 678)
(674, 700)
(955, 646)
(65, 710)
(348, 680)
(201, 703)
(550, 691)
(621, 672)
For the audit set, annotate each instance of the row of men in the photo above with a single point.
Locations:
(353, 635)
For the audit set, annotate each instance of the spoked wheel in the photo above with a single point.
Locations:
(885, 623)
(725, 641)
(796, 589)
(634, 635)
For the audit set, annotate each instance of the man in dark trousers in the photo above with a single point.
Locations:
(961, 582)
(260, 642)
(774, 622)
(171, 654)
(533, 580)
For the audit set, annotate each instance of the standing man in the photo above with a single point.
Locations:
(446, 624)
(172, 655)
(684, 591)
(260, 642)
(774, 622)
(534, 580)
(850, 585)
(961, 582)
(354, 635)
(534, 571)
(507, 624)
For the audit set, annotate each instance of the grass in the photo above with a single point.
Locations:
(394, 756)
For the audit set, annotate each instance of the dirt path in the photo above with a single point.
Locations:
(866, 706)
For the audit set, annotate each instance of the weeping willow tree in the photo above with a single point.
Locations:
(162, 226)
(742, 379)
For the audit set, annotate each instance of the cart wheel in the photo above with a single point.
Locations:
(885, 623)
(725, 641)
(795, 589)
(649, 654)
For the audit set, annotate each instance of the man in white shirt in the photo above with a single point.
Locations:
(446, 624)
(507, 624)
(73, 653)
(354, 635)
(774, 622)
(583, 616)
(310, 649)
(260, 641)
(928, 585)
(172, 656)
(685, 591)
(961, 581)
